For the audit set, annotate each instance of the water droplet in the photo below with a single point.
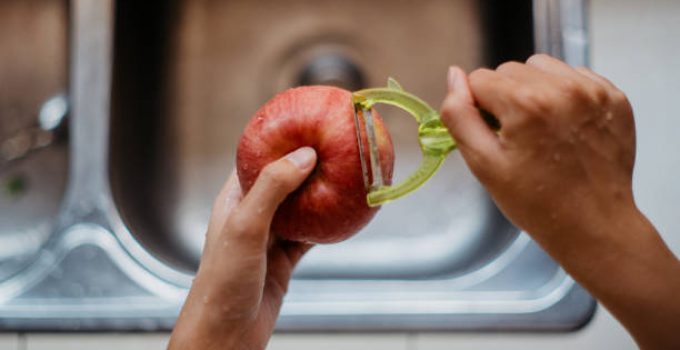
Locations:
(609, 116)
(205, 299)
(557, 157)
(540, 188)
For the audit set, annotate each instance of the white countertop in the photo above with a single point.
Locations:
(634, 43)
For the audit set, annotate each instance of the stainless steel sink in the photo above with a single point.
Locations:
(160, 91)
(33, 67)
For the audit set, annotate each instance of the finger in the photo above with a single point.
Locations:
(281, 260)
(493, 92)
(296, 250)
(521, 72)
(251, 219)
(283, 257)
(573, 82)
(552, 65)
(277, 180)
(463, 119)
(229, 196)
(597, 78)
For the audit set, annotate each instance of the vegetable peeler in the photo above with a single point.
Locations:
(434, 139)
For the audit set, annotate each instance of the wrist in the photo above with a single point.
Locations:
(202, 326)
(588, 227)
(618, 247)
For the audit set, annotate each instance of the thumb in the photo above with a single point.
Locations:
(277, 180)
(253, 216)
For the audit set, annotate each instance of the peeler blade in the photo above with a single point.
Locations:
(368, 148)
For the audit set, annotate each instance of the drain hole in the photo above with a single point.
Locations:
(334, 70)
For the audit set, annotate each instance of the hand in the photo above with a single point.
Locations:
(566, 148)
(561, 169)
(239, 287)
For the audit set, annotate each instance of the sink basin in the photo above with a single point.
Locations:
(176, 145)
(161, 91)
(33, 68)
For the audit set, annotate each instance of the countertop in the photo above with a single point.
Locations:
(635, 44)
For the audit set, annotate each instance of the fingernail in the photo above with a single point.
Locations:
(451, 78)
(303, 158)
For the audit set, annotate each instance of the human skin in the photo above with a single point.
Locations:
(561, 169)
(236, 296)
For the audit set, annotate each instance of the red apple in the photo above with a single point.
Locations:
(330, 206)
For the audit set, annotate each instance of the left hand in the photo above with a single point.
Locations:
(244, 272)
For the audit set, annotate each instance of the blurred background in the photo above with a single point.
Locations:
(136, 142)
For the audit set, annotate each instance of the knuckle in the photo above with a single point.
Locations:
(573, 91)
(244, 226)
(619, 98)
(449, 106)
(538, 57)
(532, 101)
(272, 176)
(239, 223)
(451, 109)
(478, 75)
(623, 103)
(571, 88)
(523, 97)
(509, 66)
(600, 95)
(582, 69)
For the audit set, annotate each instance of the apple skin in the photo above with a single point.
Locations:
(330, 206)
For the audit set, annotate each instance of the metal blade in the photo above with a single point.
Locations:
(373, 179)
(360, 140)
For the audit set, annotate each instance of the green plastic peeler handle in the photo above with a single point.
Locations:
(434, 139)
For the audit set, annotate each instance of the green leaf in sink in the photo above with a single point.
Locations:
(14, 186)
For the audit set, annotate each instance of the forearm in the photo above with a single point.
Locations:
(199, 327)
(561, 168)
(207, 320)
(624, 263)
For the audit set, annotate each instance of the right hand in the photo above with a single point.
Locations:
(561, 169)
(566, 148)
